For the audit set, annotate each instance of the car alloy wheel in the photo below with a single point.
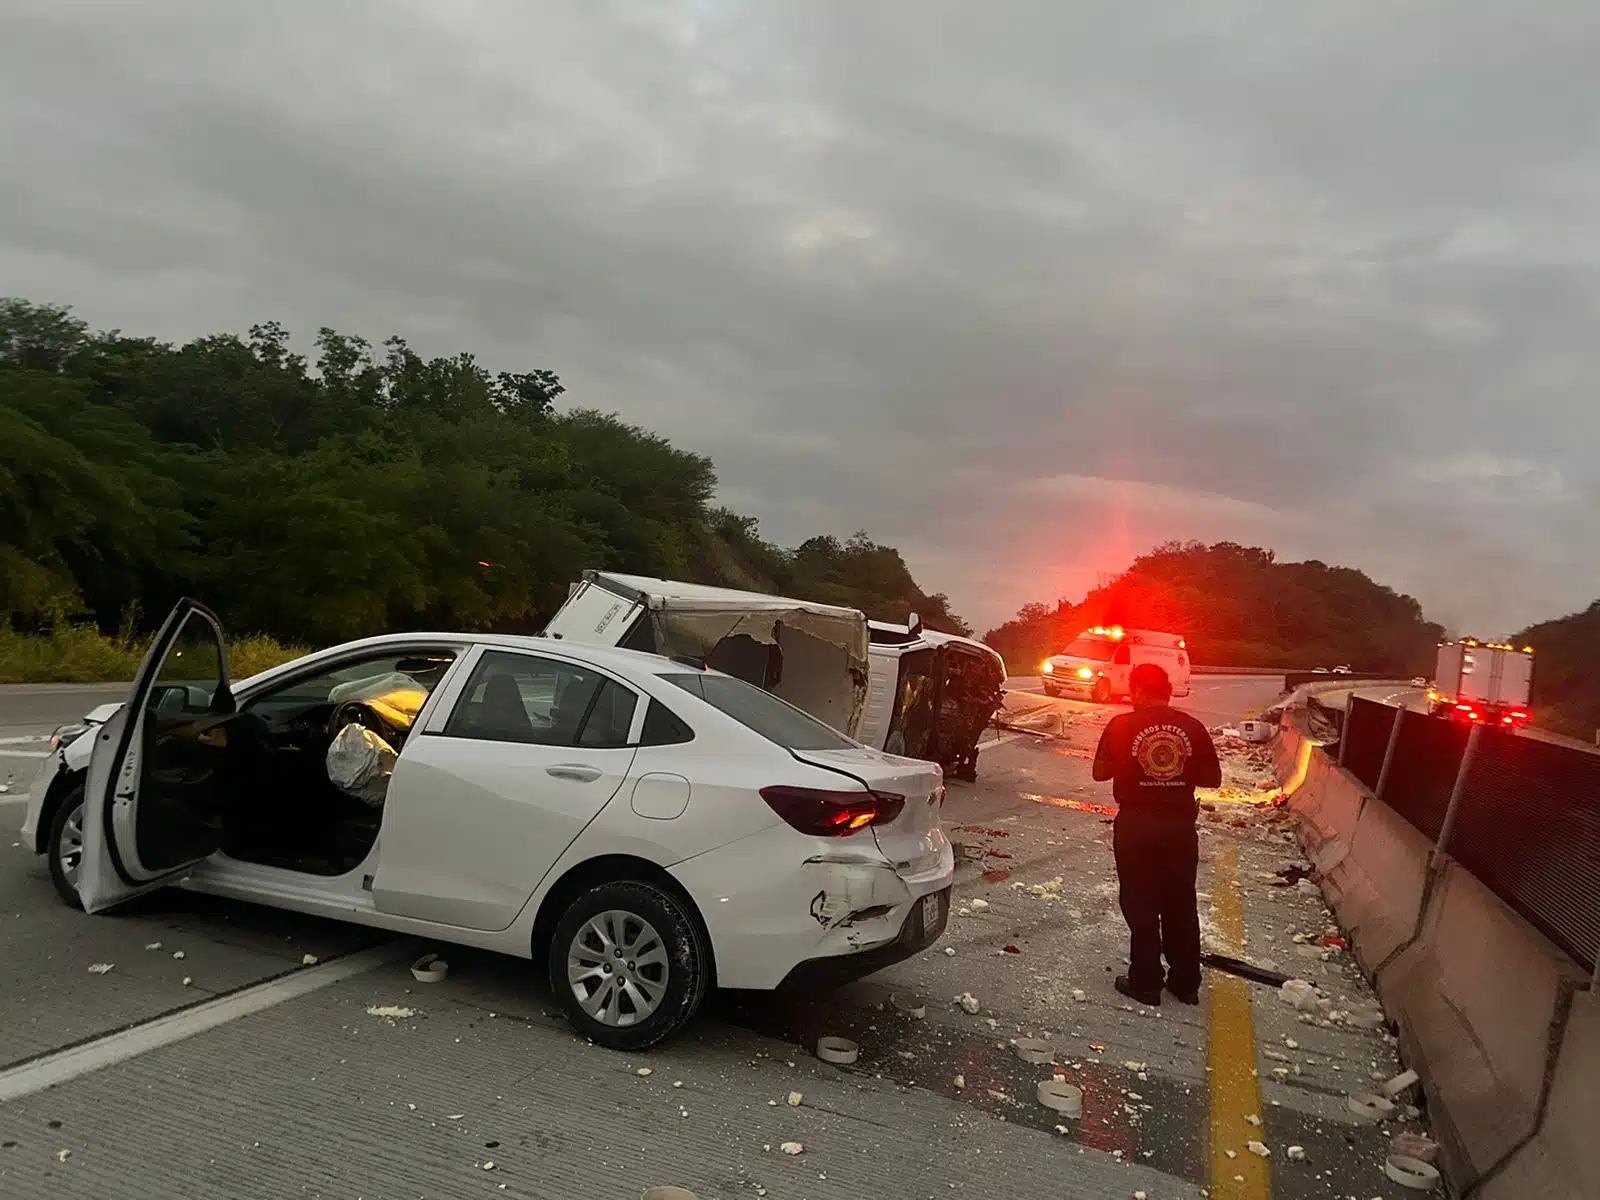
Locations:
(64, 847)
(617, 968)
(629, 963)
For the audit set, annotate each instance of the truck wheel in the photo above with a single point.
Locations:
(1102, 691)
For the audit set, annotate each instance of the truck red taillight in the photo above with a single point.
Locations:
(823, 813)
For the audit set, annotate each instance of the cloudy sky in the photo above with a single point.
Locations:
(1021, 288)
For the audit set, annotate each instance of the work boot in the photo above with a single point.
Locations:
(1184, 997)
(1125, 986)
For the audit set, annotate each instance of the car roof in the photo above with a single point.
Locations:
(622, 661)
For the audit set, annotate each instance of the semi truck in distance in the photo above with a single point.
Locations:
(1488, 682)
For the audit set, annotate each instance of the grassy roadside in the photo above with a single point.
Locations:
(82, 654)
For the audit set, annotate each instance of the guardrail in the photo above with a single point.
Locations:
(1294, 679)
(1464, 865)
(1522, 815)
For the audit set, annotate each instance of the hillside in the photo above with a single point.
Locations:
(1238, 606)
(369, 490)
(1566, 672)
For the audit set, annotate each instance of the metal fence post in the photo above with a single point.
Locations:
(1467, 755)
(1388, 753)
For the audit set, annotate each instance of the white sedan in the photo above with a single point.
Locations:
(648, 827)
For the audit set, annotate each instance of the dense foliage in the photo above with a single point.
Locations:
(369, 490)
(1238, 606)
(1566, 672)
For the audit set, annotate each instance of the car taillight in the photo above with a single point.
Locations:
(832, 814)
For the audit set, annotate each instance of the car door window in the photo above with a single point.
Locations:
(542, 702)
(191, 674)
(663, 727)
(394, 685)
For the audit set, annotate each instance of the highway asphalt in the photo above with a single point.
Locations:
(475, 1087)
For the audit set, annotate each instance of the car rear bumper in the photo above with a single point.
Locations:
(917, 933)
(776, 899)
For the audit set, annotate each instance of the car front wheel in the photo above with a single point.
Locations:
(628, 964)
(65, 847)
(1102, 691)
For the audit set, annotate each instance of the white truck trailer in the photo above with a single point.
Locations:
(1475, 681)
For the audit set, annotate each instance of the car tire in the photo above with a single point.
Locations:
(1050, 690)
(66, 829)
(1102, 691)
(664, 928)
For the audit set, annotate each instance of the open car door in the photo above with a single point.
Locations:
(157, 782)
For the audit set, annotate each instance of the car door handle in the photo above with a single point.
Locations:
(578, 771)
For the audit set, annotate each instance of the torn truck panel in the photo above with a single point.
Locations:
(812, 655)
(931, 695)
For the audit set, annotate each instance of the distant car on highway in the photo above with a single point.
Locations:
(1098, 661)
(646, 826)
(1342, 669)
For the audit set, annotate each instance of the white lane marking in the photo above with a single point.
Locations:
(24, 754)
(999, 741)
(5, 800)
(47, 1070)
(31, 737)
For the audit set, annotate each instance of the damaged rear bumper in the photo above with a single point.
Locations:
(920, 930)
(776, 900)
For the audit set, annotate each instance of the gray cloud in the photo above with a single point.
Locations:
(1021, 289)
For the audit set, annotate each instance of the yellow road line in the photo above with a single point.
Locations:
(1231, 1051)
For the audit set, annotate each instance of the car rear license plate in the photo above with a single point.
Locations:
(930, 911)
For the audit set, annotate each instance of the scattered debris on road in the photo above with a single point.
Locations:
(391, 1012)
(841, 1052)
(101, 968)
(792, 1148)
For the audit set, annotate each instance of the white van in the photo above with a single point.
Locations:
(930, 695)
(812, 655)
(1099, 660)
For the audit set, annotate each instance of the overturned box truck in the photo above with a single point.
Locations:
(902, 689)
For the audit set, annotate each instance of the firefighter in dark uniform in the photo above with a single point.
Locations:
(1155, 757)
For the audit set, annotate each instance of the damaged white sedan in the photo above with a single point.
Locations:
(647, 827)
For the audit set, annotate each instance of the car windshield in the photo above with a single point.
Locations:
(763, 712)
(1093, 648)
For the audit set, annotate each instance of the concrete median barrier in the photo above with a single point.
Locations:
(1377, 887)
(1482, 1000)
(1502, 1024)
(1560, 1163)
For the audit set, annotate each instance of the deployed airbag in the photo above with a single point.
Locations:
(394, 697)
(360, 763)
